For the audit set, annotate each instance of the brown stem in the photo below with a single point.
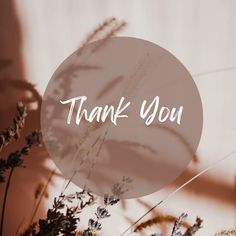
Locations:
(5, 201)
(41, 196)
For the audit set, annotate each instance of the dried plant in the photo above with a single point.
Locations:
(38, 190)
(231, 232)
(178, 224)
(15, 159)
(104, 31)
(95, 33)
(13, 132)
(194, 228)
(160, 219)
(94, 225)
(198, 222)
(63, 217)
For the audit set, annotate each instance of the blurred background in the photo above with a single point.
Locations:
(36, 36)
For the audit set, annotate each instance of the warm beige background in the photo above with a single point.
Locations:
(201, 34)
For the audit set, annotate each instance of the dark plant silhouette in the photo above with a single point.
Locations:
(15, 159)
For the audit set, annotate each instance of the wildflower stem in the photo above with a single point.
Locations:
(178, 189)
(5, 200)
(42, 195)
(214, 71)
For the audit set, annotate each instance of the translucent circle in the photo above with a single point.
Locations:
(121, 116)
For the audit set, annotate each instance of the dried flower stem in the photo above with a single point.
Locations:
(117, 28)
(63, 217)
(194, 228)
(96, 31)
(5, 200)
(178, 224)
(161, 219)
(42, 195)
(13, 132)
(13, 161)
(229, 232)
(214, 71)
(178, 189)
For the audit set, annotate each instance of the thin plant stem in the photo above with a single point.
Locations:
(178, 189)
(214, 71)
(19, 227)
(42, 195)
(5, 200)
